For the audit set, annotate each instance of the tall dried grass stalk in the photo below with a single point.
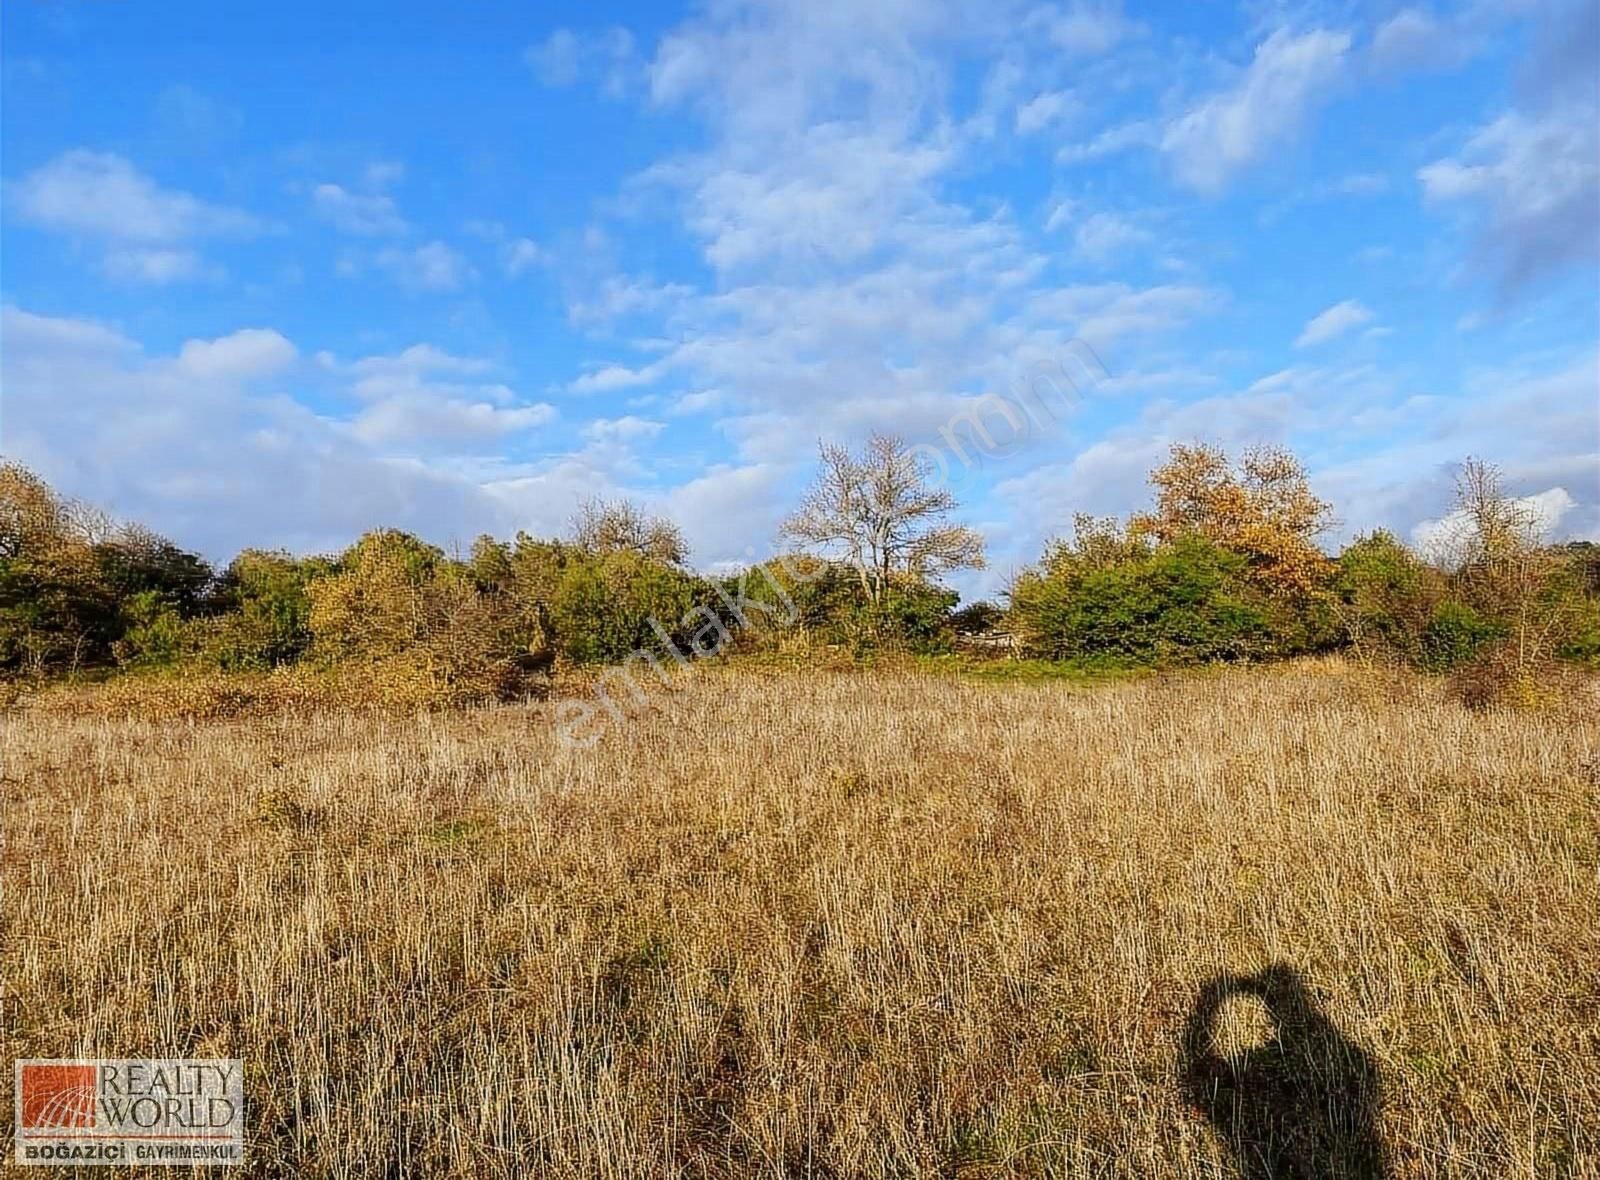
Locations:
(847, 925)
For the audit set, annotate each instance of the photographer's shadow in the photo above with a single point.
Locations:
(1303, 1104)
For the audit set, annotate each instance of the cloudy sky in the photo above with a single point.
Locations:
(274, 274)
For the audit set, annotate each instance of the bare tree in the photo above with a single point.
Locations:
(614, 526)
(1499, 548)
(879, 511)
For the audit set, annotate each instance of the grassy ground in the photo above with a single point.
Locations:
(885, 924)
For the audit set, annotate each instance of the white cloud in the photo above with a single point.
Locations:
(157, 266)
(382, 173)
(625, 429)
(1084, 28)
(1539, 515)
(850, 291)
(556, 58)
(143, 229)
(1102, 236)
(776, 69)
(410, 363)
(1415, 39)
(425, 400)
(421, 418)
(609, 378)
(1361, 184)
(1043, 109)
(101, 195)
(1335, 321)
(565, 57)
(729, 513)
(1534, 181)
(367, 214)
(241, 356)
(190, 120)
(520, 256)
(1104, 313)
(90, 411)
(1233, 129)
(1411, 38)
(431, 267)
(1121, 138)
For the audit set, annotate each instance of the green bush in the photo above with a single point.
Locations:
(831, 607)
(1385, 595)
(1186, 602)
(264, 618)
(977, 618)
(603, 606)
(912, 616)
(154, 635)
(1454, 634)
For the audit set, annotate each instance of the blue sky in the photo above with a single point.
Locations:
(273, 275)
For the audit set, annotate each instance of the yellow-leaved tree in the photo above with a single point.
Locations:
(1262, 508)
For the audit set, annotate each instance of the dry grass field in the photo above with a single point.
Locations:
(849, 925)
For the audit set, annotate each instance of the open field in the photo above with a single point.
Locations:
(841, 925)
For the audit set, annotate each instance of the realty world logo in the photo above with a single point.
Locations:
(171, 1111)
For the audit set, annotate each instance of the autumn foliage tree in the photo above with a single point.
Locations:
(79, 590)
(1261, 508)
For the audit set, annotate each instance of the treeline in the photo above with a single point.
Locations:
(79, 593)
(1225, 566)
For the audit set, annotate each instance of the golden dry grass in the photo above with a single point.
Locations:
(847, 925)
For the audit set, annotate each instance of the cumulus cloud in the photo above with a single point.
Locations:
(157, 266)
(243, 355)
(427, 401)
(1229, 131)
(1140, 133)
(93, 412)
(1084, 27)
(430, 267)
(102, 195)
(443, 421)
(520, 255)
(423, 448)
(1540, 515)
(1384, 453)
(1411, 39)
(851, 287)
(1334, 322)
(626, 429)
(187, 119)
(143, 229)
(609, 378)
(369, 214)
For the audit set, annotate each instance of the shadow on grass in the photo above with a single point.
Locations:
(1303, 1105)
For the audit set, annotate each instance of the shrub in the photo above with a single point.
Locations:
(153, 633)
(911, 616)
(264, 611)
(977, 618)
(372, 605)
(603, 606)
(1498, 674)
(1185, 602)
(831, 607)
(1454, 634)
(1384, 596)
